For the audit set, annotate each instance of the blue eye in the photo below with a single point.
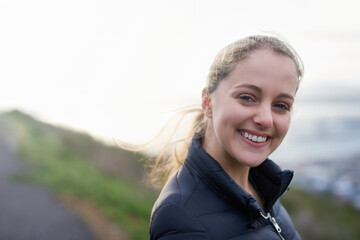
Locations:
(246, 98)
(282, 106)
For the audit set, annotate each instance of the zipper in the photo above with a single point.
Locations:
(274, 223)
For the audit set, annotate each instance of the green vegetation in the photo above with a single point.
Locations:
(62, 165)
(321, 216)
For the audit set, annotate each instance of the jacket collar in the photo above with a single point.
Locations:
(270, 181)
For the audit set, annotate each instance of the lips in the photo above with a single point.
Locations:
(253, 137)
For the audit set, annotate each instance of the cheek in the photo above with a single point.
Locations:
(283, 124)
(228, 115)
(220, 111)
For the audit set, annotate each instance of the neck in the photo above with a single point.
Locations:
(236, 170)
(240, 174)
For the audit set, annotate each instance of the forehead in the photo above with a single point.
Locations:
(265, 67)
(268, 59)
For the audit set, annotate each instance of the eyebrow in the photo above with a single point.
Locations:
(257, 89)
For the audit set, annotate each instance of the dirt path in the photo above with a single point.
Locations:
(30, 212)
(103, 228)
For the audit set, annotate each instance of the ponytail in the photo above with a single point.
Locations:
(172, 154)
(167, 151)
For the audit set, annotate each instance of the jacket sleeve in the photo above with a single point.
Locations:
(173, 222)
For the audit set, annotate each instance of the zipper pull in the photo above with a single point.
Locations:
(274, 223)
(277, 227)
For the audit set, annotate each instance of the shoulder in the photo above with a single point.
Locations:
(173, 221)
(178, 189)
(171, 218)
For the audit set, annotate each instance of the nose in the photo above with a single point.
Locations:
(264, 117)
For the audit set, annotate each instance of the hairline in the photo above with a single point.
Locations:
(248, 53)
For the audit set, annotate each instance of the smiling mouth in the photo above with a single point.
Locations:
(254, 138)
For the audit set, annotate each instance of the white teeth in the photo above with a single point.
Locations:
(254, 138)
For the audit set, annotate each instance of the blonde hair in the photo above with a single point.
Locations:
(172, 152)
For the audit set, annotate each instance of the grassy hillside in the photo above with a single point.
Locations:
(74, 164)
(322, 216)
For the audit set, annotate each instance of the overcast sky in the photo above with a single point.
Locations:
(116, 68)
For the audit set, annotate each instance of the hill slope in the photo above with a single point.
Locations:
(74, 164)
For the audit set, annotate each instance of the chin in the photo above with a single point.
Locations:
(256, 163)
(252, 161)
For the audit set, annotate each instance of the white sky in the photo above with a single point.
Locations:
(116, 68)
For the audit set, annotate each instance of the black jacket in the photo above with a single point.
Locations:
(201, 201)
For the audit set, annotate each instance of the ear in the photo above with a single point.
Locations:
(206, 103)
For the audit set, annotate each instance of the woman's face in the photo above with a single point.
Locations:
(249, 112)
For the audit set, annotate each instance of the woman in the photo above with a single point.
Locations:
(224, 187)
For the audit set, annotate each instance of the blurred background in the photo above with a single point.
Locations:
(75, 75)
